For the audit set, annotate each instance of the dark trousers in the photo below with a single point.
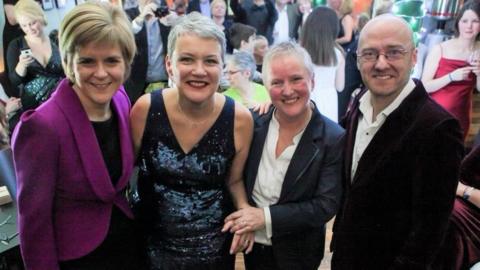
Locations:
(261, 258)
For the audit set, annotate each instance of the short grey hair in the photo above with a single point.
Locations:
(244, 61)
(288, 48)
(196, 24)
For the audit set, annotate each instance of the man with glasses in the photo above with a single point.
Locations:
(401, 160)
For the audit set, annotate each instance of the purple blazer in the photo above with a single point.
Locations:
(65, 194)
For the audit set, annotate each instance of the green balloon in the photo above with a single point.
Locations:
(317, 3)
(411, 8)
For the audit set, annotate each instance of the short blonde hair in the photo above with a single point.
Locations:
(31, 9)
(346, 7)
(95, 22)
(282, 49)
(216, 2)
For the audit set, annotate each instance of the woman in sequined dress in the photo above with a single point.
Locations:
(192, 144)
(33, 60)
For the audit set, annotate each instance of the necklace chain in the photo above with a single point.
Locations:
(193, 123)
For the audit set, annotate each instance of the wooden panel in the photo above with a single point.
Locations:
(475, 126)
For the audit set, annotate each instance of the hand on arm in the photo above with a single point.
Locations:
(262, 108)
(245, 220)
(243, 223)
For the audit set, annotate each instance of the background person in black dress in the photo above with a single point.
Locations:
(11, 29)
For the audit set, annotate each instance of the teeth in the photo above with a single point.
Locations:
(383, 77)
(198, 84)
(100, 85)
(289, 101)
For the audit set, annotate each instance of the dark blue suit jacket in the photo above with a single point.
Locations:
(310, 193)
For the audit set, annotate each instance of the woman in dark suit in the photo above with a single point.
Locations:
(73, 155)
(293, 172)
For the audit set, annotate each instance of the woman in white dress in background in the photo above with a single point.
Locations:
(318, 38)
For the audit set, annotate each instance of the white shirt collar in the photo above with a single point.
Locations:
(366, 105)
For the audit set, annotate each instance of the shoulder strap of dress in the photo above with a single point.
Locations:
(229, 112)
(156, 101)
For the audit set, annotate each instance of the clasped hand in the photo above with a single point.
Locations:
(243, 223)
(461, 74)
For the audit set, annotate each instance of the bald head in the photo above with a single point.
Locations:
(390, 23)
(390, 39)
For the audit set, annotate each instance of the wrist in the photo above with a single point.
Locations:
(20, 70)
(467, 192)
(242, 206)
(450, 77)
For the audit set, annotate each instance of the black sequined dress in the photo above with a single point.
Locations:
(183, 196)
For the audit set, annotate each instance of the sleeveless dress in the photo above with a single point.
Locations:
(456, 97)
(184, 195)
(324, 93)
(341, 33)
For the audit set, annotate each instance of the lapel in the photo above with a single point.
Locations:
(350, 125)
(305, 153)
(388, 137)
(85, 141)
(256, 149)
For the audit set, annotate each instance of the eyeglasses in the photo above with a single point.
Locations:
(231, 72)
(372, 55)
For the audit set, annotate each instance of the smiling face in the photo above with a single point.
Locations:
(195, 67)
(469, 25)
(30, 26)
(289, 84)
(386, 78)
(99, 71)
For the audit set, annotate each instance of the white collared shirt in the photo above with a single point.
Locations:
(280, 30)
(367, 129)
(270, 177)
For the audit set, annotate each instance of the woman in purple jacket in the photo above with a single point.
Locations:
(73, 154)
